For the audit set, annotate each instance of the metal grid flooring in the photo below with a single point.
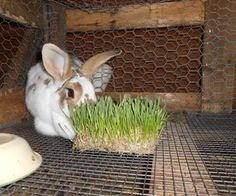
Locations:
(180, 169)
(196, 156)
(66, 172)
(215, 139)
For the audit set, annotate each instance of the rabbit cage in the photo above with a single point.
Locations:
(181, 51)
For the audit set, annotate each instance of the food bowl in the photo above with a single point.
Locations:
(17, 159)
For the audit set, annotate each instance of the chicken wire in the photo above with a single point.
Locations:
(153, 59)
(20, 43)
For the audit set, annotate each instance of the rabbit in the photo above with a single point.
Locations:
(57, 83)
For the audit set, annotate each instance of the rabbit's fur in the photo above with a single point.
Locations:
(60, 82)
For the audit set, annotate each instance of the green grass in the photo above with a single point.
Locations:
(129, 125)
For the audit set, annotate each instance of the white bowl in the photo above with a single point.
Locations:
(17, 159)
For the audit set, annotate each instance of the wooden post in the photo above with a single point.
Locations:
(54, 24)
(219, 57)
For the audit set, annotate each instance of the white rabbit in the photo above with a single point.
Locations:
(57, 83)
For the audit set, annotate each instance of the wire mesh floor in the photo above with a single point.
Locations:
(68, 172)
(195, 156)
(215, 139)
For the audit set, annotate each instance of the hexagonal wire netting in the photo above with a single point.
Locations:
(153, 60)
(19, 44)
(164, 59)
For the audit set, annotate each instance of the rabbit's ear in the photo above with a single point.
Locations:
(56, 62)
(95, 62)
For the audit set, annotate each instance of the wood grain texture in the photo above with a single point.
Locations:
(174, 102)
(137, 16)
(12, 106)
(219, 57)
(22, 11)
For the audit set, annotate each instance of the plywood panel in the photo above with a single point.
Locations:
(12, 106)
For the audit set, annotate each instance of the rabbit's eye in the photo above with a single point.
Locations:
(70, 93)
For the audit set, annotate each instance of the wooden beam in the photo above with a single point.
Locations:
(219, 57)
(137, 16)
(24, 12)
(12, 102)
(174, 102)
(12, 106)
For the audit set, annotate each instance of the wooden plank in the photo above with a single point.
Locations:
(23, 11)
(12, 106)
(232, 48)
(137, 16)
(219, 59)
(12, 102)
(174, 102)
(234, 96)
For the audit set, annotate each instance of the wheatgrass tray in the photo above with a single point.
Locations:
(131, 125)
